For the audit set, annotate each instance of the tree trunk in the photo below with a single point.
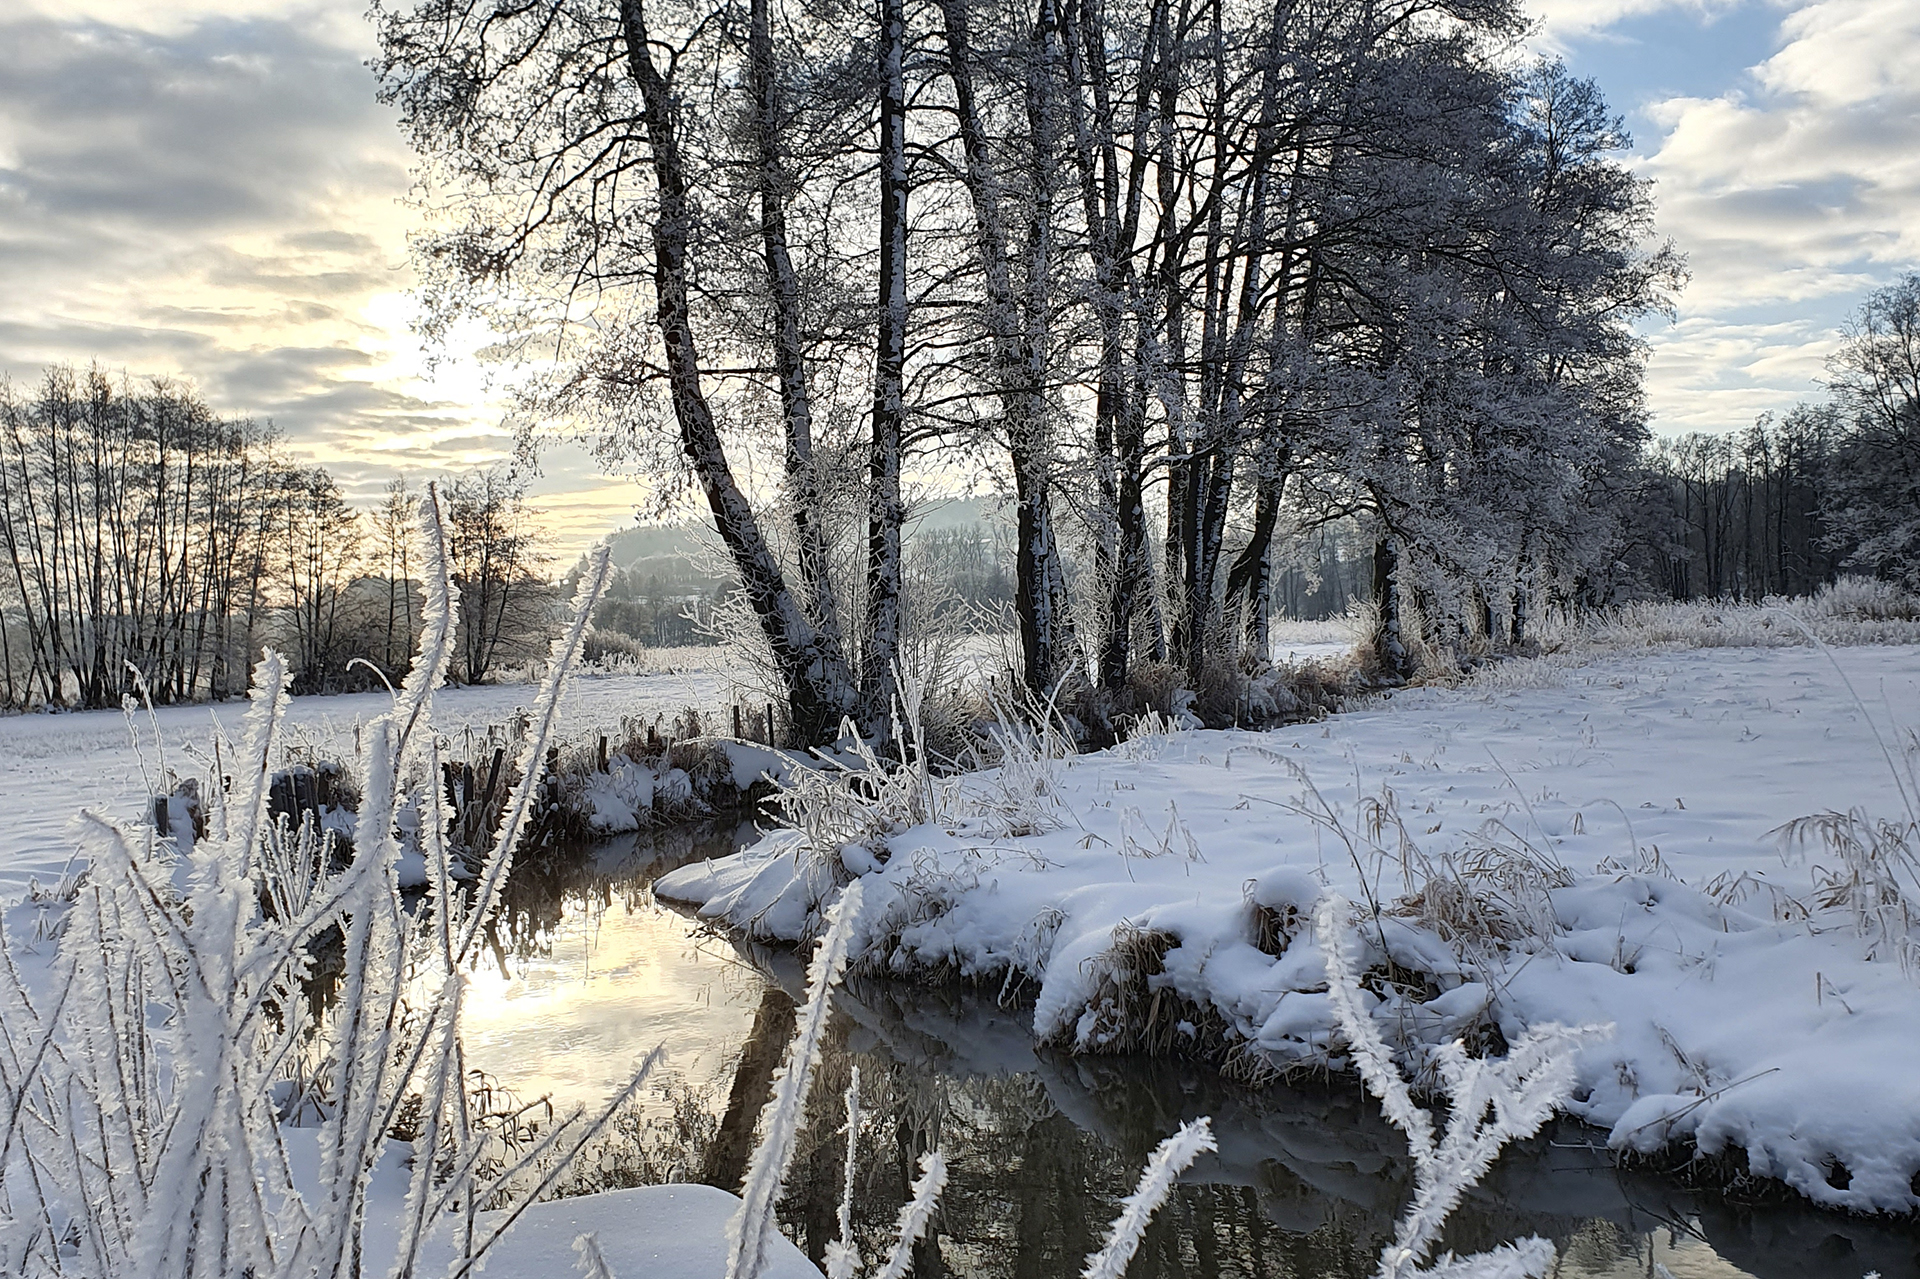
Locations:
(885, 514)
(789, 355)
(1017, 328)
(819, 685)
(1389, 645)
(1249, 579)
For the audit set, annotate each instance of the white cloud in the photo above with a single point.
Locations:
(1563, 21)
(1793, 195)
(1842, 52)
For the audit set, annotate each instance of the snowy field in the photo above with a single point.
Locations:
(52, 766)
(99, 760)
(1619, 823)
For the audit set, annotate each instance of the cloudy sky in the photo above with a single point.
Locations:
(208, 188)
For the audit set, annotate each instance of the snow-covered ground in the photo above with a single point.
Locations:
(1621, 819)
(647, 1232)
(52, 766)
(1296, 643)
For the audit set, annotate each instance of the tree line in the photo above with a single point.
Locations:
(1185, 277)
(153, 545)
(1788, 505)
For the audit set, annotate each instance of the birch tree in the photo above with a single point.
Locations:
(562, 141)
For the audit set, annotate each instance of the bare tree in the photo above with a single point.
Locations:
(494, 551)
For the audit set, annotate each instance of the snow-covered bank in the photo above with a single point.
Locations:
(1614, 827)
(646, 1232)
(52, 766)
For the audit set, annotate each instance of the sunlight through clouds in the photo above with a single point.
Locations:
(210, 191)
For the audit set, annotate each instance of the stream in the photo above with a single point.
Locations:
(1041, 1146)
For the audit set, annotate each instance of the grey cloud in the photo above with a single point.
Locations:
(214, 204)
(331, 242)
(272, 376)
(226, 125)
(26, 344)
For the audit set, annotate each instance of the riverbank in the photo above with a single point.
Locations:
(53, 766)
(1607, 843)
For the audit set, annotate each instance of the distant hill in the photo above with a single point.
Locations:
(669, 552)
(674, 552)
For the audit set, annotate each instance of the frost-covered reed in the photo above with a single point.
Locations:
(843, 1258)
(856, 797)
(143, 1081)
(1169, 1159)
(916, 1215)
(1490, 1102)
(753, 1225)
(1852, 610)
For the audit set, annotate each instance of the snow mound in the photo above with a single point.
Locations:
(648, 1232)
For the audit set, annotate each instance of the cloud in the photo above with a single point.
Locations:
(209, 190)
(227, 126)
(1561, 23)
(1794, 192)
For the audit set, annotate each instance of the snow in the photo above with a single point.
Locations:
(1298, 643)
(53, 765)
(1739, 1021)
(648, 1232)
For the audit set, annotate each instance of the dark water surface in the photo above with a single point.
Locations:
(1041, 1146)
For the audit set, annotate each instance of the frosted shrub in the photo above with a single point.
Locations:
(857, 798)
(1020, 793)
(1863, 599)
(1490, 1102)
(140, 1134)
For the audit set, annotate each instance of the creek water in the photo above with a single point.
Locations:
(592, 974)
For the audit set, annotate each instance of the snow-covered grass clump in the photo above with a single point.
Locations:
(1623, 847)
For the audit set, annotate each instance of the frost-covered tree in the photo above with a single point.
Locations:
(495, 554)
(574, 155)
(1875, 377)
(1204, 276)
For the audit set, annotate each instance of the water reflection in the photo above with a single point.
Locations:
(1041, 1146)
(589, 974)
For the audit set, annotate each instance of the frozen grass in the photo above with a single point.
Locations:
(603, 660)
(1853, 610)
(149, 1074)
(1490, 1101)
(145, 1082)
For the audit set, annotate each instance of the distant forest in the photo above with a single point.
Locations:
(147, 539)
